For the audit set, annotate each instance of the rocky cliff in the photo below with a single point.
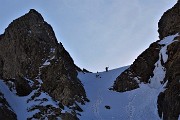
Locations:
(6, 112)
(144, 68)
(169, 100)
(32, 60)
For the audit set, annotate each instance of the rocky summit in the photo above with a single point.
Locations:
(31, 59)
(39, 80)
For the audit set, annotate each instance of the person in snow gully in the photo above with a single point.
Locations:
(106, 69)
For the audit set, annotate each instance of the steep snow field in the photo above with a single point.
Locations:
(138, 104)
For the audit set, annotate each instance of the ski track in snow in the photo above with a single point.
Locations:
(130, 108)
(96, 106)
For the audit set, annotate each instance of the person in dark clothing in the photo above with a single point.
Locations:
(107, 69)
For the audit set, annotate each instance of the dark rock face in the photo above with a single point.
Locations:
(5, 111)
(65, 86)
(30, 50)
(68, 116)
(142, 68)
(128, 80)
(169, 100)
(22, 86)
(21, 46)
(1, 67)
(169, 23)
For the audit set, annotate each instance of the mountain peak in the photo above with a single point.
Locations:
(33, 11)
(32, 18)
(30, 53)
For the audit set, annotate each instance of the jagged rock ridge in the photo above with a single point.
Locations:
(30, 53)
(142, 70)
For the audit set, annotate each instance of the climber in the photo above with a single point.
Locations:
(106, 69)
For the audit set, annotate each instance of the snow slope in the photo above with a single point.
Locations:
(22, 105)
(138, 104)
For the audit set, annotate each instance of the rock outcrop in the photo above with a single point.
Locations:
(6, 113)
(169, 24)
(169, 100)
(140, 71)
(142, 68)
(29, 51)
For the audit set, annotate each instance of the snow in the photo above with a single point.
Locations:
(48, 100)
(30, 82)
(30, 31)
(138, 104)
(46, 63)
(160, 71)
(51, 57)
(11, 86)
(22, 105)
(18, 104)
(52, 50)
(166, 41)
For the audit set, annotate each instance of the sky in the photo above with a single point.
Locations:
(96, 33)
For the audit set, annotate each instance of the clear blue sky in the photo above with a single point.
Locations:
(96, 33)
